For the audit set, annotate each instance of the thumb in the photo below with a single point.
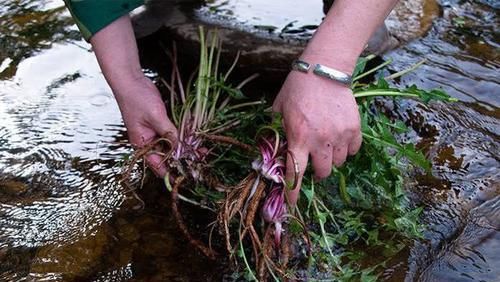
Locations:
(296, 163)
(165, 128)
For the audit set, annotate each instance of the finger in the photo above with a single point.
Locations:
(355, 144)
(165, 128)
(296, 163)
(277, 105)
(322, 161)
(156, 164)
(339, 155)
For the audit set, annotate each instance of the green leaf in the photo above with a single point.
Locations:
(295, 227)
(360, 66)
(382, 83)
(343, 188)
(368, 276)
(427, 96)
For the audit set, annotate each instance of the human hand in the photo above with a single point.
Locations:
(145, 117)
(321, 119)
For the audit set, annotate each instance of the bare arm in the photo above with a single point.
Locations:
(348, 26)
(140, 102)
(320, 116)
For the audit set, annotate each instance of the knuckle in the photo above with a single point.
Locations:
(324, 136)
(298, 133)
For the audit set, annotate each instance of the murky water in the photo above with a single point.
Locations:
(64, 217)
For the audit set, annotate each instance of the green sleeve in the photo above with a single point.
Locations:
(93, 15)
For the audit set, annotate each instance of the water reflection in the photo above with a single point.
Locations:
(26, 27)
(298, 19)
(63, 216)
(473, 252)
(58, 148)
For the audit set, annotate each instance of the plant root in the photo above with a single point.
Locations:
(141, 153)
(227, 140)
(213, 182)
(233, 204)
(270, 252)
(178, 218)
(285, 251)
(267, 251)
(251, 211)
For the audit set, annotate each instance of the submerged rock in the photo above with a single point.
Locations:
(473, 253)
(68, 262)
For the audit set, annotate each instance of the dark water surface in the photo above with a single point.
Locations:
(63, 216)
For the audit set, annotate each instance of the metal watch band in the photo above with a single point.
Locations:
(322, 71)
(332, 74)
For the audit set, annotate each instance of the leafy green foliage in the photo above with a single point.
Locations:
(362, 209)
(357, 219)
(382, 88)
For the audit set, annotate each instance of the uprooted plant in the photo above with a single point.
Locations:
(369, 204)
(201, 111)
(330, 231)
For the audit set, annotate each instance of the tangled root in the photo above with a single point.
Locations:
(233, 204)
(285, 251)
(180, 222)
(251, 211)
(214, 183)
(227, 140)
(141, 154)
(270, 254)
(267, 251)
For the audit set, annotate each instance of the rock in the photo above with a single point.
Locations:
(12, 187)
(78, 259)
(410, 20)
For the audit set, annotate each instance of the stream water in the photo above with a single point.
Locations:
(63, 216)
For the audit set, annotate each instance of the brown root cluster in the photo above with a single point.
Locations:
(241, 205)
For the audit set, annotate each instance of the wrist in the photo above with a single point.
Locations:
(315, 85)
(131, 89)
(341, 61)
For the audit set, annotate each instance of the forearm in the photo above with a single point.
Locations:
(342, 36)
(116, 51)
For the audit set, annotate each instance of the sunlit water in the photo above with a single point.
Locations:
(64, 217)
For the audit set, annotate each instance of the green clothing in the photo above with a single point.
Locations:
(93, 15)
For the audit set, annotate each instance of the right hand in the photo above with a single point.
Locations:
(145, 118)
(321, 119)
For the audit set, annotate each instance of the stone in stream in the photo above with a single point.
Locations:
(73, 260)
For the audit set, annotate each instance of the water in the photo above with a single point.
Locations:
(64, 217)
(284, 18)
